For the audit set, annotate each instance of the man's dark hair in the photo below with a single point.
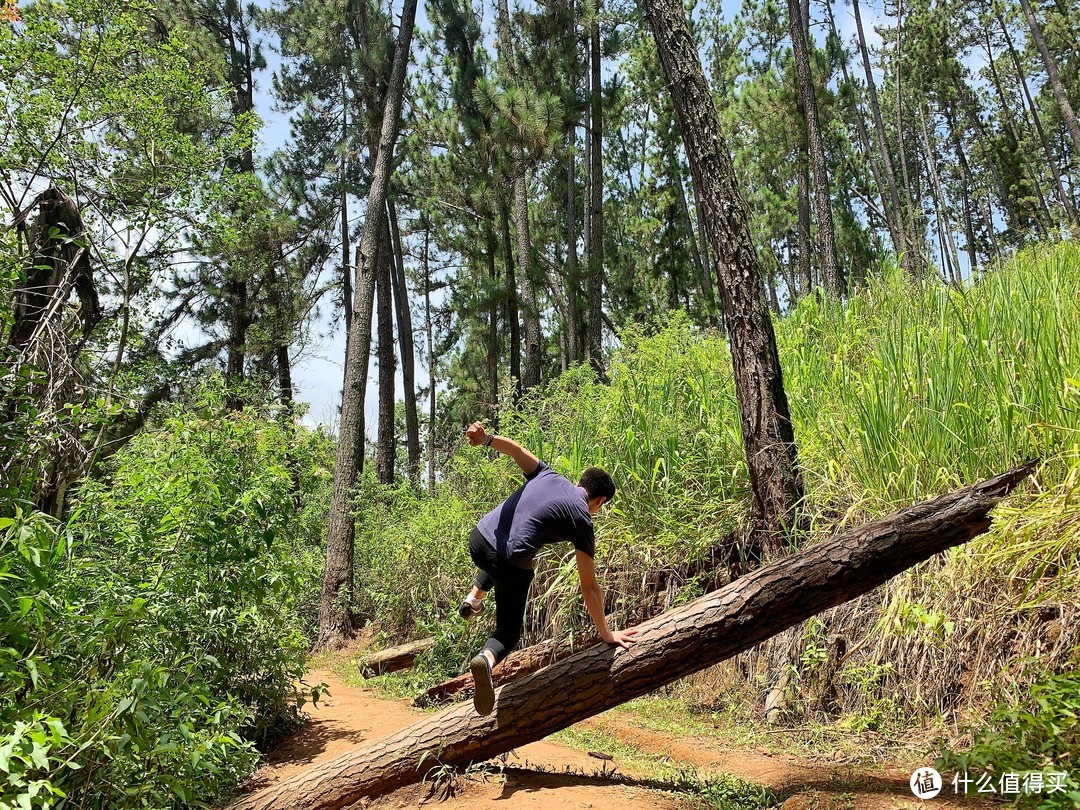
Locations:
(596, 482)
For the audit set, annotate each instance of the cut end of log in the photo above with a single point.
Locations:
(393, 659)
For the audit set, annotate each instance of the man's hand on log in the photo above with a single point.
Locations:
(624, 638)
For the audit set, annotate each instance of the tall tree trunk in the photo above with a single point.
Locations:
(706, 260)
(386, 442)
(915, 235)
(573, 326)
(826, 232)
(512, 320)
(911, 255)
(892, 223)
(802, 178)
(288, 416)
(1010, 122)
(232, 32)
(493, 296)
(335, 614)
(950, 259)
(700, 271)
(530, 310)
(407, 345)
(346, 269)
(967, 181)
(774, 300)
(1068, 115)
(594, 324)
(236, 349)
(432, 376)
(759, 385)
(673, 645)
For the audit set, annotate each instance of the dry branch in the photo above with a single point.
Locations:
(671, 646)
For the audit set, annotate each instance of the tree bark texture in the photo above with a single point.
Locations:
(759, 385)
(335, 620)
(386, 435)
(671, 646)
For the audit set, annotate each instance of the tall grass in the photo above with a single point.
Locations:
(897, 395)
(905, 392)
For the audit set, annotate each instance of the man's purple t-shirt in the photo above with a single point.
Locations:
(545, 509)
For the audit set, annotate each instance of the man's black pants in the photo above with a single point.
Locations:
(511, 585)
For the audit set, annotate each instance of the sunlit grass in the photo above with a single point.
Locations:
(900, 394)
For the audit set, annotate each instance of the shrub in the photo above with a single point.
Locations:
(157, 637)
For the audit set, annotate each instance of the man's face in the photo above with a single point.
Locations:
(596, 503)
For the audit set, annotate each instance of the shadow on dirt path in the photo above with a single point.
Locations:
(549, 776)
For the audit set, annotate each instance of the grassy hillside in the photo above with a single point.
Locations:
(898, 395)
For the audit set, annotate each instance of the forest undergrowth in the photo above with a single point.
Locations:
(152, 640)
(900, 394)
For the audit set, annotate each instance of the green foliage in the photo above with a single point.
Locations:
(1034, 732)
(899, 395)
(32, 742)
(727, 792)
(151, 642)
(906, 392)
(97, 99)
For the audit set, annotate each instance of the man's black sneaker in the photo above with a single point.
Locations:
(468, 611)
(484, 696)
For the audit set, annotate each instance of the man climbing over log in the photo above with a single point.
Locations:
(547, 508)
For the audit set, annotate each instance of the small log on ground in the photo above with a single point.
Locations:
(675, 644)
(392, 659)
(516, 665)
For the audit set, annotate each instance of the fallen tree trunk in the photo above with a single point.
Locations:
(678, 643)
(516, 665)
(392, 659)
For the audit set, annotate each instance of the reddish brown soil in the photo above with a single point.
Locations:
(548, 776)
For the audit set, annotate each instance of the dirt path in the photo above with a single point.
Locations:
(548, 776)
